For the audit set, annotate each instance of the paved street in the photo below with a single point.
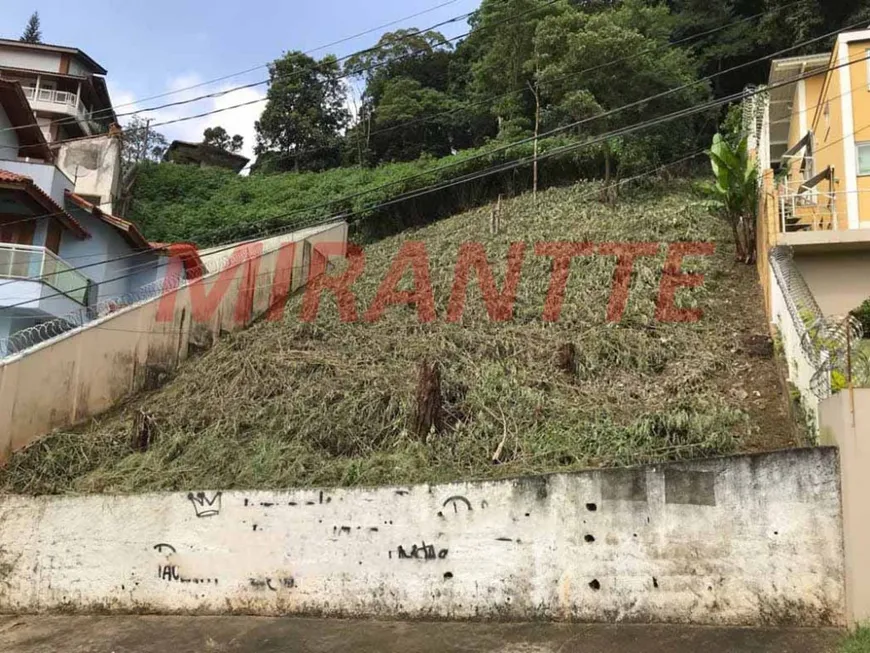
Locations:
(139, 634)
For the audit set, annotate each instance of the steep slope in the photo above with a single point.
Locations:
(296, 403)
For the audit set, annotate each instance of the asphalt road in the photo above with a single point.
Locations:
(156, 634)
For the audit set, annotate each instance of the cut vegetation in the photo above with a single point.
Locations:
(399, 401)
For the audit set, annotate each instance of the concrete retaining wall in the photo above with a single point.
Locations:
(845, 421)
(742, 540)
(84, 372)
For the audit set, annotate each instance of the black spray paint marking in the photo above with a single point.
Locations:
(159, 547)
(270, 583)
(420, 552)
(204, 506)
(456, 500)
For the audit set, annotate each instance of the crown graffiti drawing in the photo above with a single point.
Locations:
(204, 506)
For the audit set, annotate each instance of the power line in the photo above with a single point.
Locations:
(515, 164)
(624, 131)
(267, 81)
(258, 67)
(525, 88)
(616, 184)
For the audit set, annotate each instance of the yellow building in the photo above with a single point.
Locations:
(813, 141)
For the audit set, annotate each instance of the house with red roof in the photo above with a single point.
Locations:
(63, 259)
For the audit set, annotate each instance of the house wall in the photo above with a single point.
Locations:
(105, 253)
(8, 139)
(31, 60)
(829, 140)
(838, 281)
(78, 67)
(45, 175)
(86, 371)
(860, 96)
(95, 165)
(845, 422)
(746, 540)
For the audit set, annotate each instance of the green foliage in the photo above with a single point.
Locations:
(735, 191)
(209, 205)
(32, 33)
(141, 143)
(857, 642)
(862, 314)
(838, 381)
(291, 403)
(304, 114)
(218, 137)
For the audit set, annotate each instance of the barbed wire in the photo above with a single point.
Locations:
(832, 344)
(85, 316)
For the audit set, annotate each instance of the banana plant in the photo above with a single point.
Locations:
(734, 193)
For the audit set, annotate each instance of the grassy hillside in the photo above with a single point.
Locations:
(293, 403)
(211, 205)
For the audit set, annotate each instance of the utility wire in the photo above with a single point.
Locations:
(510, 165)
(619, 60)
(265, 65)
(299, 73)
(515, 164)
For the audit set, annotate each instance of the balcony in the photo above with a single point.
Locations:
(66, 102)
(815, 221)
(38, 266)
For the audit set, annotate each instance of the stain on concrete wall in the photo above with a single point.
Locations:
(764, 547)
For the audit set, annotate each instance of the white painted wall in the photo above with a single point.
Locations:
(95, 165)
(47, 176)
(801, 369)
(14, 57)
(742, 540)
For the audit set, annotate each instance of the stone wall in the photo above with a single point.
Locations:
(744, 540)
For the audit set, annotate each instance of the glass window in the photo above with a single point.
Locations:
(864, 158)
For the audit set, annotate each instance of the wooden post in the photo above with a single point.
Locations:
(537, 95)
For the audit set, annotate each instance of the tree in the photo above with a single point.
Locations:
(32, 33)
(607, 97)
(502, 50)
(407, 80)
(735, 192)
(218, 137)
(141, 144)
(305, 114)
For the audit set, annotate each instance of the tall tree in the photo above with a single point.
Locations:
(32, 33)
(407, 109)
(501, 48)
(304, 116)
(576, 84)
(218, 137)
(141, 143)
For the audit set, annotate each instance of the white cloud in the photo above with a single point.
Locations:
(236, 121)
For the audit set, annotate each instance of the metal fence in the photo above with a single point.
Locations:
(825, 354)
(34, 335)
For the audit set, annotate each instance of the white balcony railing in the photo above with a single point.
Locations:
(812, 210)
(64, 99)
(39, 263)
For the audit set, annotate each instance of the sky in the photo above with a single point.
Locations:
(160, 46)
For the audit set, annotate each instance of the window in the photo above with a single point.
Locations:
(864, 158)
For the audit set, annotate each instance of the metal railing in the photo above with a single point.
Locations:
(812, 210)
(31, 262)
(52, 96)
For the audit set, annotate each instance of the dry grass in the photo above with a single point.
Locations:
(292, 403)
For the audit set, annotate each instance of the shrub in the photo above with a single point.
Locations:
(862, 313)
